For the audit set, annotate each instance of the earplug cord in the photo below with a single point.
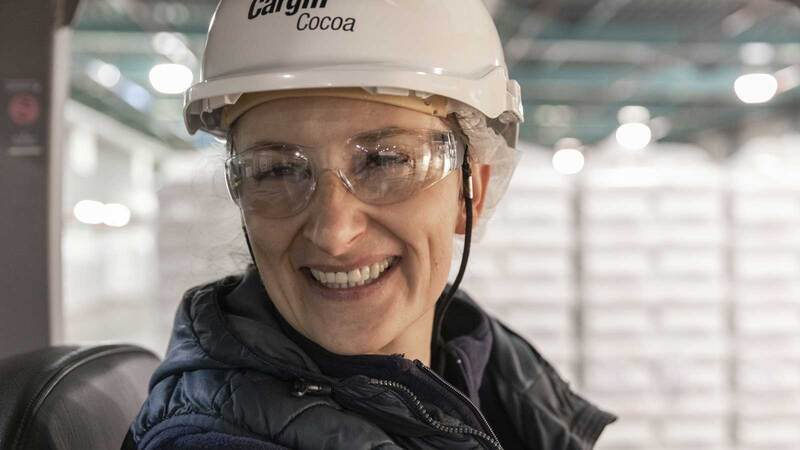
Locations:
(438, 360)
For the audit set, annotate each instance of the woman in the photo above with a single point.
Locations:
(357, 153)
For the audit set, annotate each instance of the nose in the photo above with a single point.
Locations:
(335, 220)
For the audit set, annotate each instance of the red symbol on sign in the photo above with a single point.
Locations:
(24, 109)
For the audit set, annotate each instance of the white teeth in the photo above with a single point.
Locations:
(356, 277)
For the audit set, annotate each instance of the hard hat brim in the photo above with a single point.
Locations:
(492, 94)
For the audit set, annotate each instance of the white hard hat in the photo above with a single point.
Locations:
(448, 48)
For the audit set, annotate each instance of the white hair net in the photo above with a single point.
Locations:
(488, 146)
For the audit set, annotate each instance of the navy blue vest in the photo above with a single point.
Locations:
(235, 368)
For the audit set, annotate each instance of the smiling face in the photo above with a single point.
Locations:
(400, 252)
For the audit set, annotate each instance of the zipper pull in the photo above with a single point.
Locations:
(303, 387)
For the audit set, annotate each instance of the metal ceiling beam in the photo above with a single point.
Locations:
(603, 12)
(543, 50)
(140, 15)
(124, 42)
(637, 53)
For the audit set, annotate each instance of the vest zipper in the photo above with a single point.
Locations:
(460, 395)
(426, 416)
(302, 388)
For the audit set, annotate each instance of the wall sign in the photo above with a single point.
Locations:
(22, 121)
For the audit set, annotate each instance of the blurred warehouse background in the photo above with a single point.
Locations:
(649, 245)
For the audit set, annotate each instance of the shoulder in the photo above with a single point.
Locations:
(245, 407)
(534, 392)
(198, 297)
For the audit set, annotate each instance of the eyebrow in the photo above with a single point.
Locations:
(370, 134)
(271, 143)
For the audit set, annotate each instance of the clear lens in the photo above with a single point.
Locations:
(387, 167)
(275, 181)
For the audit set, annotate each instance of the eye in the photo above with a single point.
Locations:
(276, 163)
(281, 171)
(389, 157)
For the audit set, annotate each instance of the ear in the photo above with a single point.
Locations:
(480, 182)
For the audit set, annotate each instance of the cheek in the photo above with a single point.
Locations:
(427, 225)
(271, 240)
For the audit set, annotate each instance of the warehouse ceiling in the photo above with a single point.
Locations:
(578, 61)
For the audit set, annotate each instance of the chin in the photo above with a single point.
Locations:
(358, 343)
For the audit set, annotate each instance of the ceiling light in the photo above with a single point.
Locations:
(116, 215)
(757, 53)
(171, 78)
(89, 212)
(568, 158)
(634, 136)
(756, 87)
(568, 161)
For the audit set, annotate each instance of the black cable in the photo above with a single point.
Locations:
(437, 358)
(249, 246)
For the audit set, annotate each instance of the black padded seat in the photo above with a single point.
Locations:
(72, 398)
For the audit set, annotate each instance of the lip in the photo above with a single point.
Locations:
(355, 293)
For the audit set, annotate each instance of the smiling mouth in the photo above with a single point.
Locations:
(360, 276)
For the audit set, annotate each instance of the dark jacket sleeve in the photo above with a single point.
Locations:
(195, 438)
(543, 408)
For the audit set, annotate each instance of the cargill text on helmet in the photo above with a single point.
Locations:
(267, 7)
(305, 21)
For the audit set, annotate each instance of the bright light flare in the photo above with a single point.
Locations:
(89, 212)
(568, 161)
(634, 136)
(116, 215)
(171, 78)
(756, 87)
(92, 212)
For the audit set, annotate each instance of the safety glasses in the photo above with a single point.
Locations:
(278, 180)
